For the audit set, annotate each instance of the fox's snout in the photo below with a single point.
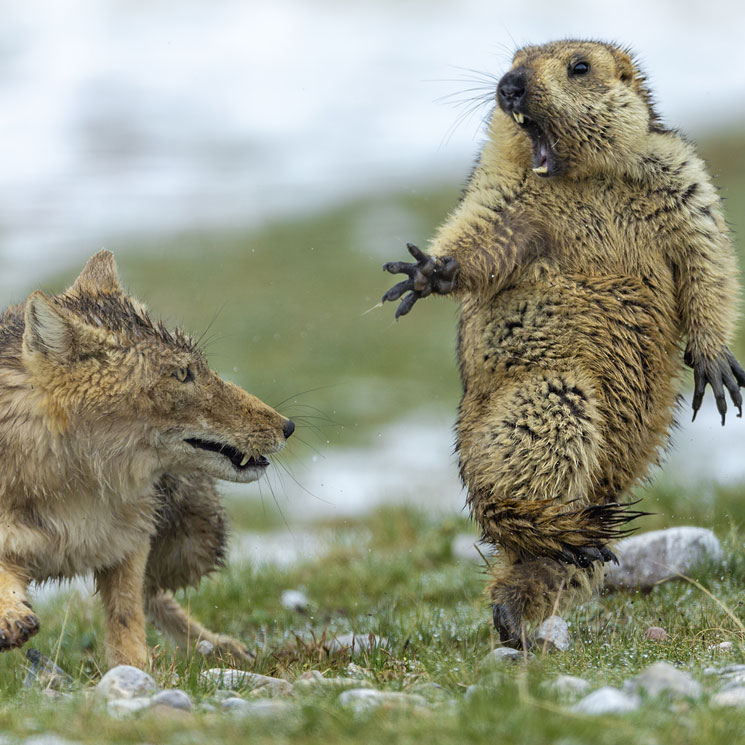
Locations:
(288, 429)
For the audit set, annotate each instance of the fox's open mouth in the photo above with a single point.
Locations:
(239, 459)
(545, 162)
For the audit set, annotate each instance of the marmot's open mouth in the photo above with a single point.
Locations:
(544, 161)
(236, 457)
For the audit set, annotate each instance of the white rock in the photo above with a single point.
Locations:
(126, 681)
(501, 655)
(234, 679)
(174, 698)
(295, 600)
(607, 700)
(122, 706)
(553, 634)
(567, 686)
(663, 678)
(205, 648)
(314, 679)
(265, 709)
(356, 642)
(729, 697)
(42, 740)
(650, 558)
(365, 699)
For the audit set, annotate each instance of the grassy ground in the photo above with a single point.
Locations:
(394, 574)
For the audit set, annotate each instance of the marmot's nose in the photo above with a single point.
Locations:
(511, 88)
(289, 428)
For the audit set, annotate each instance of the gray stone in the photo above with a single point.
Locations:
(43, 672)
(501, 655)
(205, 648)
(663, 678)
(356, 642)
(235, 679)
(174, 698)
(552, 635)
(45, 740)
(126, 681)
(730, 697)
(650, 558)
(314, 679)
(567, 686)
(124, 706)
(265, 709)
(362, 700)
(607, 700)
(295, 600)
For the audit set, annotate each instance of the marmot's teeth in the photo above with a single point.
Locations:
(541, 169)
(519, 118)
(245, 460)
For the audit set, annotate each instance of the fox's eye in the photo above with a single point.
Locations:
(184, 375)
(579, 68)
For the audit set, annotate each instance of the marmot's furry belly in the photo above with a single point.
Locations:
(569, 387)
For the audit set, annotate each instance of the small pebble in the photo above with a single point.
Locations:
(243, 679)
(44, 672)
(607, 700)
(662, 678)
(267, 708)
(655, 634)
(121, 706)
(552, 635)
(567, 686)
(174, 698)
(125, 681)
(205, 648)
(501, 655)
(365, 699)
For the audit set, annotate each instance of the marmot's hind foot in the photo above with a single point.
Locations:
(583, 556)
(508, 625)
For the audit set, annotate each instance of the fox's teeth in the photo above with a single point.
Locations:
(519, 118)
(541, 169)
(245, 460)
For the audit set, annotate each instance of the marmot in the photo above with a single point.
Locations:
(588, 245)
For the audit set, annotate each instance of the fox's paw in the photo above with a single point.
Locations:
(508, 624)
(18, 623)
(226, 647)
(425, 276)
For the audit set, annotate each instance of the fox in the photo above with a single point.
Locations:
(114, 431)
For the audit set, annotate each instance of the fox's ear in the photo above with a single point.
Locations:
(99, 275)
(54, 333)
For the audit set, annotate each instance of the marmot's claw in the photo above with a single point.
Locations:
(426, 276)
(584, 556)
(507, 625)
(722, 372)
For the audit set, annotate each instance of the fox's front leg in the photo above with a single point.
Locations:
(18, 622)
(122, 592)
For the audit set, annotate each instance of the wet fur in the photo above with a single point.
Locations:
(577, 292)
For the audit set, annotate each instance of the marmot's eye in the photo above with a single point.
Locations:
(579, 68)
(183, 375)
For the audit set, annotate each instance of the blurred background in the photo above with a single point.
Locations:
(252, 164)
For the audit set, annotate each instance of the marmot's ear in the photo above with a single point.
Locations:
(98, 275)
(624, 67)
(56, 333)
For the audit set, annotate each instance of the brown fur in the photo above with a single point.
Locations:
(576, 292)
(98, 404)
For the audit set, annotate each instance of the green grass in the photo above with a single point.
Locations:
(397, 577)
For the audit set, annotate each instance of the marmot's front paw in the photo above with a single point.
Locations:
(508, 625)
(18, 623)
(427, 275)
(723, 371)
